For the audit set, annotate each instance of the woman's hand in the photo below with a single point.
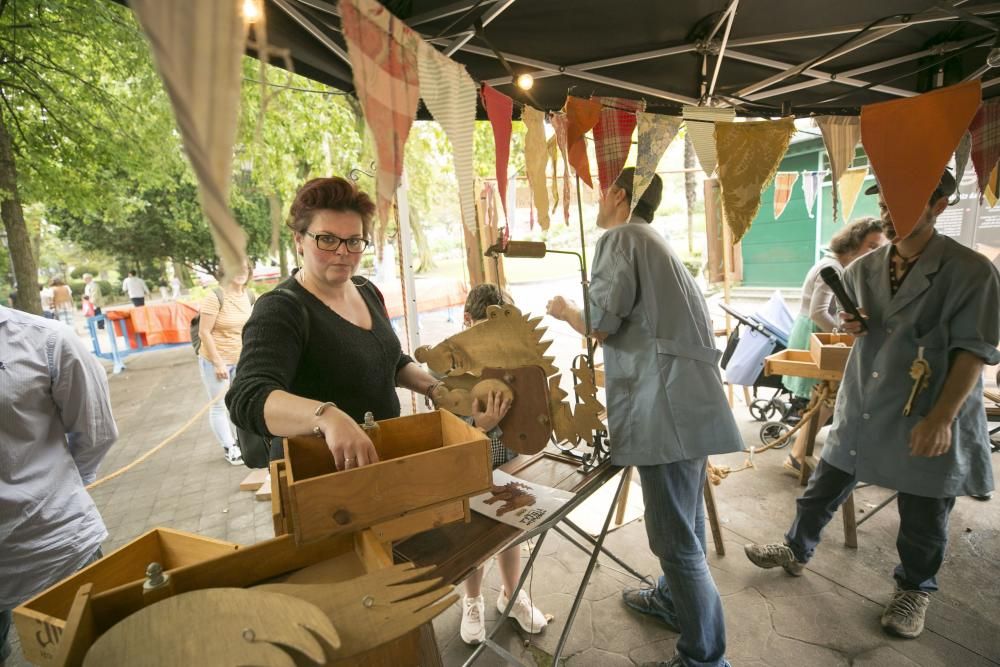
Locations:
(490, 415)
(849, 324)
(350, 446)
(221, 371)
(559, 307)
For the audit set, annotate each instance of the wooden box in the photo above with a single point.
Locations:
(798, 363)
(40, 620)
(432, 460)
(829, 351)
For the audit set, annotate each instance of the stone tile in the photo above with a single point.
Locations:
(746, 638)
(597, 658)
(883, 656)
(783, 651)
(829, 619)
(662, 649)
(618, 628)
(582, 635)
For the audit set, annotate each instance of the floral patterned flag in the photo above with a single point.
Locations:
(749, 154)
(655, 134)
(383, 54)
(613, 136)
(783, 184)
(499, 108)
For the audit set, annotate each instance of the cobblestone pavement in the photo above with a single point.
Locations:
(828, 617)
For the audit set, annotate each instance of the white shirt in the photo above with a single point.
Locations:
(55, 428)
(135, 287)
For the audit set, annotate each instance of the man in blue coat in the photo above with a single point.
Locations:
(931, 307)
(667, 410)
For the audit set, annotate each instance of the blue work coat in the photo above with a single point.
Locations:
(948, 302)
(664, 390)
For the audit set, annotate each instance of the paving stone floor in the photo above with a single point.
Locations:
(827, 617)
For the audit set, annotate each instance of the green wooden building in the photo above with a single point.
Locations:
(779, 253)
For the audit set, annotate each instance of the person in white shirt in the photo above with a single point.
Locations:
(175, 288)
(136, 289)
(56, 426)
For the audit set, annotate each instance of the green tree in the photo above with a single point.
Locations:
(74, 76)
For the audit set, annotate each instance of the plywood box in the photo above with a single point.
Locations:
(40, 620)
(425, 460)
(798, 363)
(829, 351)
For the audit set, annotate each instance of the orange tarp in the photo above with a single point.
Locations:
(909, 143)
(158, 323)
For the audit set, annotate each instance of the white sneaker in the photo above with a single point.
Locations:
(526, 614)
(473, 630)
(234, 455)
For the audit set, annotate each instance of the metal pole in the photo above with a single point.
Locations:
(584, 283)
(405, 238)
(722, 49)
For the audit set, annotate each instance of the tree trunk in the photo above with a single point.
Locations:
(18, 240)
(277, 243)
(424, 254)
(690, 188)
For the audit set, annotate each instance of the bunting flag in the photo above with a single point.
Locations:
(985, 131)
(962, 155)
(560, 123)
(536, 156)
(812, 182)
(383, 54)
(450, 95)
(701, 128)
(749, 155)
(841, 135)
(992, 188)
(784, 181)
(655, 134)
(198, 48)
(613, 136)
(581, 117)
(499, 109)
(553, 149)
(909, 142)
(850, 184)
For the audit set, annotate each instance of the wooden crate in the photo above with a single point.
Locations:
(829, 351)
(40, 620)
(425, 460)
(798, 363)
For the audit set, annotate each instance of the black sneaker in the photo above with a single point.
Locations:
(644, 601)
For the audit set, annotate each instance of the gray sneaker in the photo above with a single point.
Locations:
(904, 615)
(773, 555)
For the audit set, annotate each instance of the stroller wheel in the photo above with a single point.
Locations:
(761, 409)
(772, 431)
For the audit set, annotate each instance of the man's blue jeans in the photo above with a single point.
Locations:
(686, 593)
(920, 542)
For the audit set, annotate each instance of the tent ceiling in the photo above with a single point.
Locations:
(667, 53)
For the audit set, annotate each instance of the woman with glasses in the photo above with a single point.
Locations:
(320, 353)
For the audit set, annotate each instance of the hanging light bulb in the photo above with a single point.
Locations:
(525, 81)
(251, 11)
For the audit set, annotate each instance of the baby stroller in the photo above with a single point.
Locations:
(754, 338)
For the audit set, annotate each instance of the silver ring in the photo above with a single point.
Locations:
(347, 459)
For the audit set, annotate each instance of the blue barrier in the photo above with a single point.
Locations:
(117, 356)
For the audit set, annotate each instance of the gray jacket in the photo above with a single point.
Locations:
(948, 302)
(664, 390)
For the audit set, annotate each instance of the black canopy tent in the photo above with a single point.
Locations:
(777, 56)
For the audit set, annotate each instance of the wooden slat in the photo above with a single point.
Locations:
(79, 632)
(253, 481)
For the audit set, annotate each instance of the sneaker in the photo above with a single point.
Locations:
(473, 630)
(644, 601)
(773, 555)
(233, 455)
(904, 615)
(526, 614)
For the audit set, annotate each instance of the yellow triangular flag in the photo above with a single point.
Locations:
(850, 187)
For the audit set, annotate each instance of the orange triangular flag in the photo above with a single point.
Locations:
(850, 187)
(909, 143)
(581, 117)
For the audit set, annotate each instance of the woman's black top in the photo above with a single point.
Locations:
(341, 362)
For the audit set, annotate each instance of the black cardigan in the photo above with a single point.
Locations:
(343, 363)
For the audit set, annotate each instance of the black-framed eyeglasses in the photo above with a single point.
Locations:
(331, 243)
